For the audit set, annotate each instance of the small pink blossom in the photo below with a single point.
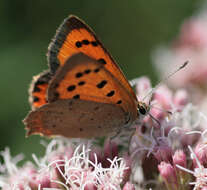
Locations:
(167, 172)
(179, 158)
(129, 186)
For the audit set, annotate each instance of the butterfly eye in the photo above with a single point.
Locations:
(142, 110)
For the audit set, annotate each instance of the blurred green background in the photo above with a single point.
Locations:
(130, 30)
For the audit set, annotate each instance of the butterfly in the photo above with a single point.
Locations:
(84, 93)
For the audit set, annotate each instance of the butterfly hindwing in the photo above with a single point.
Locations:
(75, 119)
(38, 89)
(74, 36)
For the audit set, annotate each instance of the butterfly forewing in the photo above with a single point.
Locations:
(74, 36)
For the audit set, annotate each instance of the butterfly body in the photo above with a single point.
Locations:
(84, 94)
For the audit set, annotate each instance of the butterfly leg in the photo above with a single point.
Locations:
(154, 119)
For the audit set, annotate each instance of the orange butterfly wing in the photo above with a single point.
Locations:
(38, 89)
(84, 100)
(74, 36)
(82, 77)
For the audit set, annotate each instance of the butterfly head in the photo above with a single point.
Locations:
(142, 108)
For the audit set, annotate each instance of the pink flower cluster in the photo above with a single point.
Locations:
(66, 167)
(162, 143)
(164, 150)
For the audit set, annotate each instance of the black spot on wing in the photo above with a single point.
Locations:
(87, 71)
(102, 61)
(119, 102)
(94, 43)
(36, 89)
(35, 99)
(111, 93)
(78, 44)
(78, 75)
(85, 42)
(81, 83)
(77, 96)
(101, 84)
(71, 88)
(96, 70)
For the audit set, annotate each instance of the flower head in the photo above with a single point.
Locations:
(67, 167)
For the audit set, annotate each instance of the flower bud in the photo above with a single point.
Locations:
(129, 186)
(179, 158)
(168, 174)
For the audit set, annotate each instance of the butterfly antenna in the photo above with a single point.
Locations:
(150, 93)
